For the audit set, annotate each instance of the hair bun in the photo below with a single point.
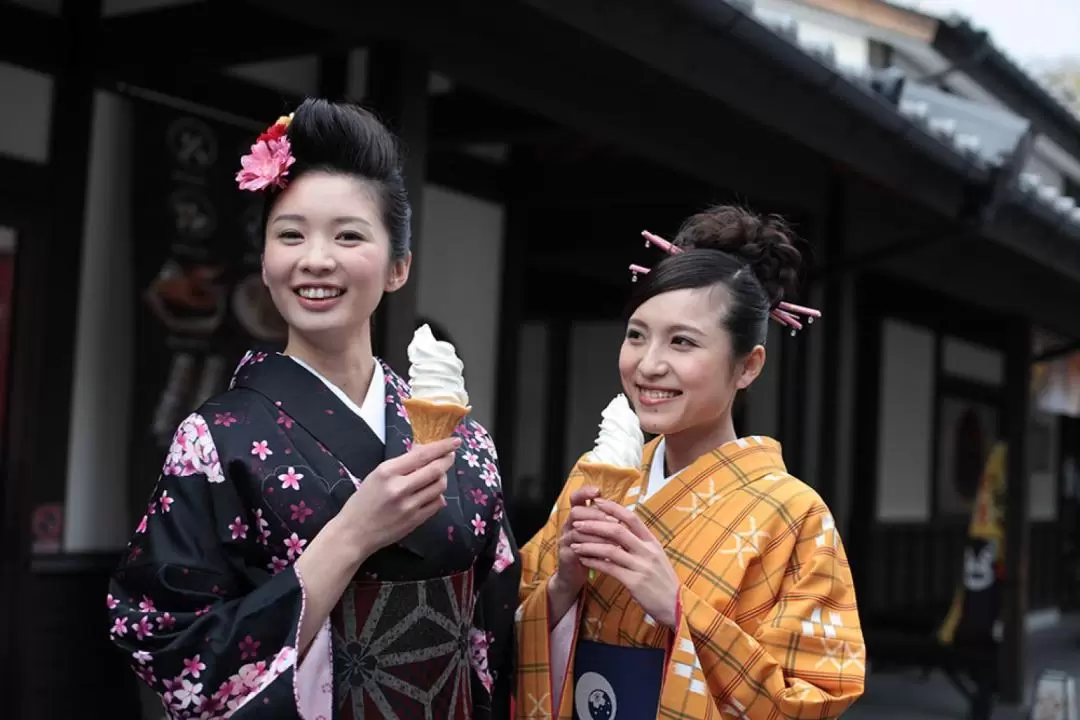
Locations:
(345, 138)
(766, 244)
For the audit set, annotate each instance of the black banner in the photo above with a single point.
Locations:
(196, 251)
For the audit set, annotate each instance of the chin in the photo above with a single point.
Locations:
(659, 423)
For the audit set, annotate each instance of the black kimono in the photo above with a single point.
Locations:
(207, 601)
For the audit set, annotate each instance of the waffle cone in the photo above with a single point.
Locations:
(432, 421)
(612, 480)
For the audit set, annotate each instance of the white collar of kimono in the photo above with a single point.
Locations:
(657, 479)
(373, 411)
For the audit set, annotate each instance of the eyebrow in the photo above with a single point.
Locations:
(340, 220)
(676, 328)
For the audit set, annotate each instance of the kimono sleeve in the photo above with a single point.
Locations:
(492, 641)
(543, 651)
(806, 657)
(212, 639)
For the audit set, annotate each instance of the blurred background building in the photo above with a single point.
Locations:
(935, 179)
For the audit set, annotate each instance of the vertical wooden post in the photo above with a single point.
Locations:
(833, 236)
(1017, 524)
(511, 291)
(397, 90)
(43, 354)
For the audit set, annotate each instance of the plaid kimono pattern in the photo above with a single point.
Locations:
(768, 626)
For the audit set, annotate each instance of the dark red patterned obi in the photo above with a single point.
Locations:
(401, 650)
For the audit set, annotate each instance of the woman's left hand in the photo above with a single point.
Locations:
(635, 558)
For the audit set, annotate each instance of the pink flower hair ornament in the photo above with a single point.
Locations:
(268, 163)
(785, 313)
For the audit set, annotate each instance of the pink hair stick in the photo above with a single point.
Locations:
(651, 239)
(811, 312)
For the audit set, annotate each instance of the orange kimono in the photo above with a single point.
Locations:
(767, 624)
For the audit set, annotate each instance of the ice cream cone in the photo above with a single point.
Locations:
(433, 421)
(613, 481)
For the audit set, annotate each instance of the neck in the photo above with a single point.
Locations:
(348, 365)
(681, 449)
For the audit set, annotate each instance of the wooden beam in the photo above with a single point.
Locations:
(207, 35)
(463, 116)
(32, 38)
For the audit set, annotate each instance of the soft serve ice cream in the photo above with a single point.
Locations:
(439, 402)
(614, 465)
(435, 370)
(620, 440)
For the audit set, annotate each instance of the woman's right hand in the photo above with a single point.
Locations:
(570, 575)
(397, 497)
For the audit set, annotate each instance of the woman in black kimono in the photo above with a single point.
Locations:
(299, 558)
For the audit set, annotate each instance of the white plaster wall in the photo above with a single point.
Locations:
(850, 50)
(25, 134)
(458, 266)
(1042, 479)
(906, 414)
(96, 515)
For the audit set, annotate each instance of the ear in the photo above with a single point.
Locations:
(750, 367)
(262, 269)
(399, 273)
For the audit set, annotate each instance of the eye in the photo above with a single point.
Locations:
(350, 236)
(632, 334)
(683, 341)
(290, 237)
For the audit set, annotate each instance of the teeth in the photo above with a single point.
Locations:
(318, 293)
(658, 394)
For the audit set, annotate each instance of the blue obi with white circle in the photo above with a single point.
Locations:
(612, 682)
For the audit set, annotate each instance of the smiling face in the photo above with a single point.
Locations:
(676, 363)
(327, 259)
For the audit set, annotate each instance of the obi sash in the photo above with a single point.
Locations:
(612, 681)
(403, 647)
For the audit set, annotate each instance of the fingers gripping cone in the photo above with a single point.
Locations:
(613, 481)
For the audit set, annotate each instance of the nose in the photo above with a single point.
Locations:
(318, 258)
(653, 361)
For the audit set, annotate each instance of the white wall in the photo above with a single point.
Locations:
(905, 415)
(96, 516)
(25, 134)
(849, 50)
(459, 270)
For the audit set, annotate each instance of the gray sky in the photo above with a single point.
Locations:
(1032, 31)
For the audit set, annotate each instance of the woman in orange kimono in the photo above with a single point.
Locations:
(717, 587)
